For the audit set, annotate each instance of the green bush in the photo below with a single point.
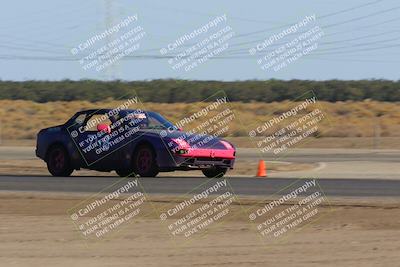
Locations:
(173, 91)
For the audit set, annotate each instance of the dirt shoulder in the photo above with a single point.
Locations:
(36, 231)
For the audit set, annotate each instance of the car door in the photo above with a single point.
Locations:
(96, 146)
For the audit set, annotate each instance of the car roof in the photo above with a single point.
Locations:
(104, 110)
(101, 111)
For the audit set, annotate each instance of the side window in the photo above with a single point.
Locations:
(154, 123)
(96, 119)
(80, 119)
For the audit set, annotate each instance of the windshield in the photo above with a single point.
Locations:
(149, 120)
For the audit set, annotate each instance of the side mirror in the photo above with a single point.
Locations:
(102, 127)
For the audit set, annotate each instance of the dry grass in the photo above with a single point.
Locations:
(23, 119)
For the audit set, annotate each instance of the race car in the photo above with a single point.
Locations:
(131, 142)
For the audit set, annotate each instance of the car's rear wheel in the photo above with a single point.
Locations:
(144, 161)
(215, 172)
(58, 161)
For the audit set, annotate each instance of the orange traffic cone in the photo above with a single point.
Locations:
(262, 172)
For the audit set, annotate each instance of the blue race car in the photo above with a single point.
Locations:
(130, 142)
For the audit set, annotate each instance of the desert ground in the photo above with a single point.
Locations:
(36, 231)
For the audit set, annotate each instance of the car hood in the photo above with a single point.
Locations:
(194, 140)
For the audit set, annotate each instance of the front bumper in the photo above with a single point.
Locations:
(206, 158)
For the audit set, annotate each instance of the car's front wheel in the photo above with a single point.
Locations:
(144, 161)
(125, 173)
(58, 162)
(215, 172)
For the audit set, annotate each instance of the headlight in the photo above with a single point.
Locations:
(182, 146)
(227, 145)
(181, 143)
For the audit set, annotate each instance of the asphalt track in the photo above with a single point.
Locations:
(374, 186)
(182, 185)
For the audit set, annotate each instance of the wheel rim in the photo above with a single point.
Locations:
(144, 160)
(57, 159)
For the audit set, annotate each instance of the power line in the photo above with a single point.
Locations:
(323, 16)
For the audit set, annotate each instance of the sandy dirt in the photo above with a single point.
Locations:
(35, 230)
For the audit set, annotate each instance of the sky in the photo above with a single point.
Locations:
(358, 40)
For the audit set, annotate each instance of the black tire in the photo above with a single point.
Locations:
(144, 161)
(58, 161)
(215, 172)
(125, 173)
